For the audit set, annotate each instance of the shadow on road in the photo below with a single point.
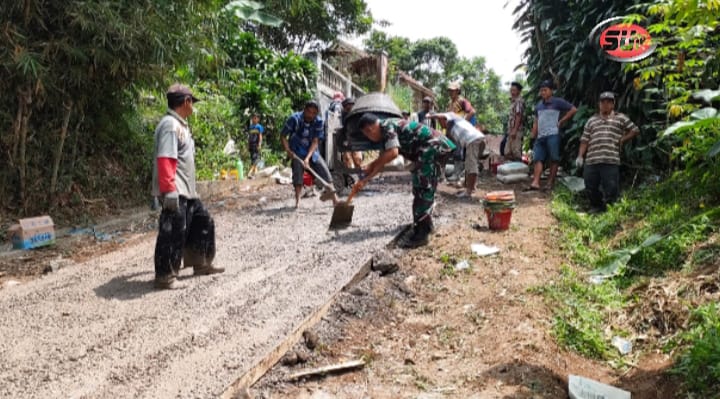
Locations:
(127, 287)
(352, 235)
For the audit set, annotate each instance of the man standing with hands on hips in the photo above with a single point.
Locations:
(186, 229)
(600, 144)
(551, 113)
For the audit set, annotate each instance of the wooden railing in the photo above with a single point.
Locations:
(334, 81)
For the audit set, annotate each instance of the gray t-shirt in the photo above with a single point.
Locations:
(174, 140)
(548, 115)
(462, 131)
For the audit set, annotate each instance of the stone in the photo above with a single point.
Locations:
(385, 262)
(311, 339)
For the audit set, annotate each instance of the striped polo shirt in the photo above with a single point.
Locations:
(603, 136)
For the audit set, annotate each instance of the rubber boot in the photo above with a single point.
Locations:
(202, 266)
(168, 283)
(420, 235)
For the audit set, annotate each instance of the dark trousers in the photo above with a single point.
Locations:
(319, 166)
(602, 179)
(187, 233)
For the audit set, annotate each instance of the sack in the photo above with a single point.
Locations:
(509, 179)
(512, 168)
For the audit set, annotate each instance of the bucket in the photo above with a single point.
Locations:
(307, 179)
(499, 220)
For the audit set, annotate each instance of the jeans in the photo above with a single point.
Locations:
(605, 177)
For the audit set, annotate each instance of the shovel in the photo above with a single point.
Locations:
(329, 192)
(343, 212)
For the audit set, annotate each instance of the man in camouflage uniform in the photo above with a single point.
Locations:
(417, 142)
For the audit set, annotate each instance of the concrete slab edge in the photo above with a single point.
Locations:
(268, 362)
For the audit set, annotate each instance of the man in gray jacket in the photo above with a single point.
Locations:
(186, 229)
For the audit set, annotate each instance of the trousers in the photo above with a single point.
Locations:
(602, 176)
(187, 234)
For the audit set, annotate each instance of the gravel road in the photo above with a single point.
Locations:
(99, 330)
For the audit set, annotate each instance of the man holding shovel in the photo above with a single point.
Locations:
(301, 136)
(426, 147)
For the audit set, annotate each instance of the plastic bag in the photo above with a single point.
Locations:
(230, 147)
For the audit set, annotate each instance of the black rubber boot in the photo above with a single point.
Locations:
(420, 235)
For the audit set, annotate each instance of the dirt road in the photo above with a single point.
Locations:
(99, 330)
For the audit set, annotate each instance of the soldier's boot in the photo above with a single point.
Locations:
(420, 235)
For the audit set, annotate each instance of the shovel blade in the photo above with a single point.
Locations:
(342, 215)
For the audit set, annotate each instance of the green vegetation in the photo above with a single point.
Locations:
(86, 82)
(700, 365)
(650, 247)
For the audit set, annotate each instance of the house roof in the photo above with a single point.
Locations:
(341, 47)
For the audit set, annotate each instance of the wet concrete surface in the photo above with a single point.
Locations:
(98, 329)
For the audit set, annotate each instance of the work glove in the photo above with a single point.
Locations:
(579, 162)
(171, 201)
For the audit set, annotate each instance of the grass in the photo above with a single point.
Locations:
(699, 365)
(671, 226)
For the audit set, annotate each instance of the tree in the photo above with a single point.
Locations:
(67, 67)
(425, 60)
(310, 23)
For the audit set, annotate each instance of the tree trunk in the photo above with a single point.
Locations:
(59, 148)
(24, 101)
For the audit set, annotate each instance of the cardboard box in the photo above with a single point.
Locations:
(32, 233)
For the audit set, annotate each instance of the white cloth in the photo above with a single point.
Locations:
(462, 131)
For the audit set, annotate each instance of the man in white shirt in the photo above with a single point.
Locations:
(464, 134)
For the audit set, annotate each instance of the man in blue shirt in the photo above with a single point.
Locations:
(301, 136)
(550, 114)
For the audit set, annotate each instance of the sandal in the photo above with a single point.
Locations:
(531, 188)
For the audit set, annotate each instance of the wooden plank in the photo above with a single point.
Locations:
(321, 371)
(267, 363)
(262, 367)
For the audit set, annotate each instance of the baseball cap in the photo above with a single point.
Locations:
(177, 90)
(546, 83)
(427, 99)
(348, 100)
(607, 95)
(454, 86)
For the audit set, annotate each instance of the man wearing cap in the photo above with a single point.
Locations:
(513, 145)
(427, 105)
(186, 229)
(551, 113)
(471, 140)
(418, 143)
(600, 144)
(300, 137)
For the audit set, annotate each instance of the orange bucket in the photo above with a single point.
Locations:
(499, 220)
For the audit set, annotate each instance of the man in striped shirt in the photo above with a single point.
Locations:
(600, 145)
